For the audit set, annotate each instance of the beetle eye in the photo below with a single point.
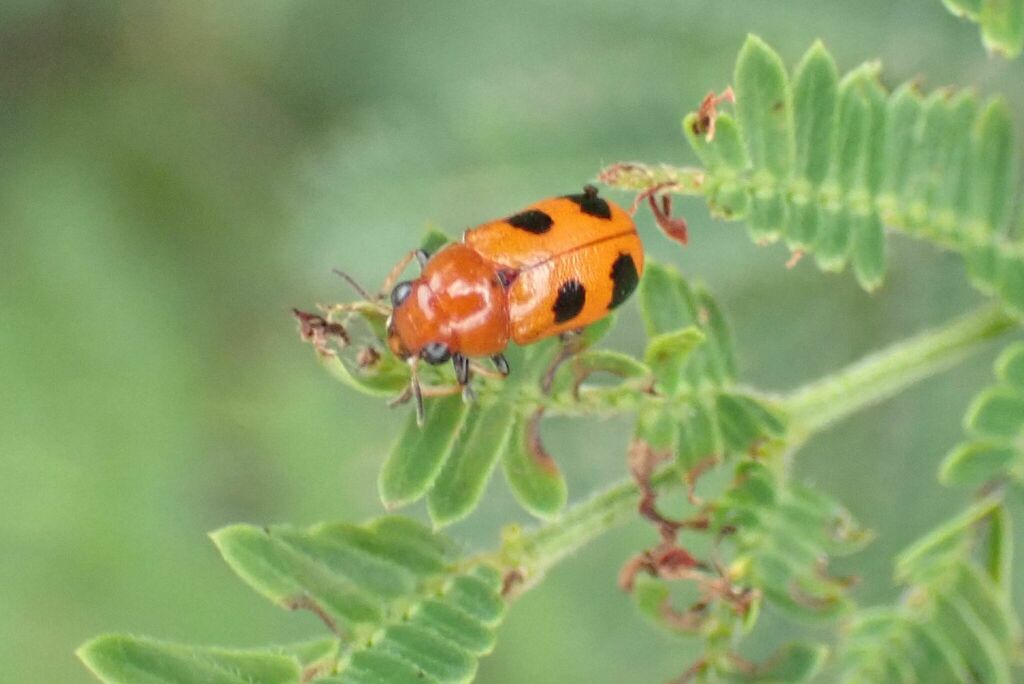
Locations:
(401, 292)
(435, 353)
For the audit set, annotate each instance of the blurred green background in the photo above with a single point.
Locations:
(174, 176)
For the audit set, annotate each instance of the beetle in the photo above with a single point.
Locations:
(554, 267)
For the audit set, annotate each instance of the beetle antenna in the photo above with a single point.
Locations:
(355, 286)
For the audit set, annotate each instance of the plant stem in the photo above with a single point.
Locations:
(879, 376)
(551, 543)
(812, 408)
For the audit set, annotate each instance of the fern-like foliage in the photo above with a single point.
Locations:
(995, 422)
(1001, 22)
(818, 161)
(956, 621)
(824, 162)
(399, 606)
(775, 539)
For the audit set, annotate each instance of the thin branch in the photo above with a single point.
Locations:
(812, 408)
(885, 373)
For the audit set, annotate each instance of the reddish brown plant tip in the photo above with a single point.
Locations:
(707, 113)
(512, 580)
(319, 332)
(642, 460)
(675, 227)
(692, 673)
(667, 561)
(794, 258)
(693, 475)
(803, 598)
(368, 357)
(317, 670)
(306, 602)
(535, 446)
(624, 172)
(690, 620)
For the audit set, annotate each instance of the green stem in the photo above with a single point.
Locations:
(879, 376)
(812, 408)
(549, 544)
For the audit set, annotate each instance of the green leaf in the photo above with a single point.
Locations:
(533, 476)
(964, 8)
(1002, 26)
(668, 305)
(656, 426)
(869, 252)
(832, 163)
(935, 658)
(325, 570)
(460, 484)
(795, 662)
(663, 308)
(433, 240)
(972, 639)
(997, 412)
(725, 152)
(931, 136)
(651, 597)
(814, 99)
(764, 106)
(1010, 366)
(592, 361)
(744, 421)
(950, 539)
(420, 452)
(719, 345)
(1000, 549)
(667, 353)
(853, 144)
(699, 438)
(975, 463)
(385, 379)
(118, 659)
(1011, 286)
(388, 582)
(983, 598)
(376, 667)
(994, 167)
(903, 112)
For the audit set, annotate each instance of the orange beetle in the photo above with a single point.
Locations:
(558, 265)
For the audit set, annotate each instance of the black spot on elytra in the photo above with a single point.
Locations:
(571, 297)
(624, 279)
(591, 204)
(532, 221)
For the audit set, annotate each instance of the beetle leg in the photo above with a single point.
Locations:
(486, 372)
(440, 390)
(501, 364)
(417, 391)
(462, 372)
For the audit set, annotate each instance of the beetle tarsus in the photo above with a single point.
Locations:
(462, 372)
(417, 394)
(501, 364)
(422, 256)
